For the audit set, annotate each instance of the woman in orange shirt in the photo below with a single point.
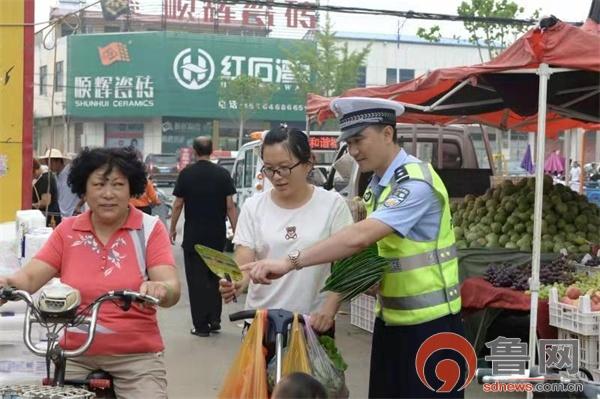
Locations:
(147, 200)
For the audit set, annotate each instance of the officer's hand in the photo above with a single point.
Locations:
(373, 290)
(229, 290)
(173, 236)
(263, 271)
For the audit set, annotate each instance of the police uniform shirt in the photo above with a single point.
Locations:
(416, 211)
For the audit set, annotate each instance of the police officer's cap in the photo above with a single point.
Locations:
(356, 113)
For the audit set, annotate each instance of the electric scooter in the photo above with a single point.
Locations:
(56, 309)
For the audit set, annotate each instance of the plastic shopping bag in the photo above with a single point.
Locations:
(247, 377)
(323, 368)
(296, 357)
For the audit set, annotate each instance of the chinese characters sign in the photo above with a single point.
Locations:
(176, 74)
(248, 15)
(323, 142)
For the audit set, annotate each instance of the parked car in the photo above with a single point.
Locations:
(162, 168)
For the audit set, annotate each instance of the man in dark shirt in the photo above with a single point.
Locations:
(206, 191)
(43, 198)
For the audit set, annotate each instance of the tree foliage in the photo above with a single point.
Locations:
(242, 94)
(325, 66)
(492, 36)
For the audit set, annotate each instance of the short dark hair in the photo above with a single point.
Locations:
(380, 127)
(203, 146)
(300, 385)
(294, 139)
(123, 159)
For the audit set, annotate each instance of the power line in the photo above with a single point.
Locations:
(394, 13)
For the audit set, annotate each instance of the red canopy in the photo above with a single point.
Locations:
(483, 94)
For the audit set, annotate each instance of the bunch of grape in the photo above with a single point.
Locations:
(559, 270)
(508, 276)
(517, 276)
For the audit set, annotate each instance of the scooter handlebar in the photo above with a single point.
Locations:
(134, 295)
(13, 294)
(242, 315)
(250, 313)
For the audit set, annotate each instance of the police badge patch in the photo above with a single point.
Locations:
(397, 198)
(367, 196)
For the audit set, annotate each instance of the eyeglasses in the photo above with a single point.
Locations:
(283, 171)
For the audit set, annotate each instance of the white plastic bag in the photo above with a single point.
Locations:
(322, 368)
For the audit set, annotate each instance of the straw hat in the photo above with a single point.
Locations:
(54, 154)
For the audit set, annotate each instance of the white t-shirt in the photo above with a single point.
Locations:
(273, 232)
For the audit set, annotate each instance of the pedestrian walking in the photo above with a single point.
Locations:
(575, 177)
(59, 164)
(409, 219)
(44, 194)
(206, 192)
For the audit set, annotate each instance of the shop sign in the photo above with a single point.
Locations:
(123, 76)
(249, 15)
(323, 142)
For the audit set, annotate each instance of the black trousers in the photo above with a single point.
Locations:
(393, 371)
(203, 289)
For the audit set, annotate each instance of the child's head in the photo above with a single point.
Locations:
(299, 385)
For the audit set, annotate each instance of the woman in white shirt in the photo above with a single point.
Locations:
(292, 215)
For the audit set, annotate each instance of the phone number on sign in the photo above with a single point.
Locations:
(264, 107)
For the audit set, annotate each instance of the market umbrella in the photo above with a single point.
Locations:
(554, 163)
(504, 91)
(527, 162)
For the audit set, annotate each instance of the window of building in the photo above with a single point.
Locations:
(59, 76)
(395, 75)
(391, 76)
(43, 80)
(406, 74)
(361, 77)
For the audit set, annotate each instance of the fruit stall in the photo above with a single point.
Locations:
(494, 233)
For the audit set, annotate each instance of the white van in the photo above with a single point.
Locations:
(246, 168)
(246, 171)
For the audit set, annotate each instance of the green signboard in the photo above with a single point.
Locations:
(152, 74)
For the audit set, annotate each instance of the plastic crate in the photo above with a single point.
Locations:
(362, 312)
(588, 349)
(580, 320)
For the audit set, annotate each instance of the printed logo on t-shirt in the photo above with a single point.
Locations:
(290, 233)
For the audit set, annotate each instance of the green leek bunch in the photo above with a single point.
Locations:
(357, 273)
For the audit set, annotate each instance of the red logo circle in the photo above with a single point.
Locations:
(447, 370)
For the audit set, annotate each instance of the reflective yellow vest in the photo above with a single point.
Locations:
(423, 283)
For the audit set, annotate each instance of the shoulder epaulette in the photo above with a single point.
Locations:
(400, 174)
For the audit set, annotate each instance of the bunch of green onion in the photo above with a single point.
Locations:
(356, 274)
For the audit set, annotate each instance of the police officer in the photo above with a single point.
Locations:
(409, 219)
